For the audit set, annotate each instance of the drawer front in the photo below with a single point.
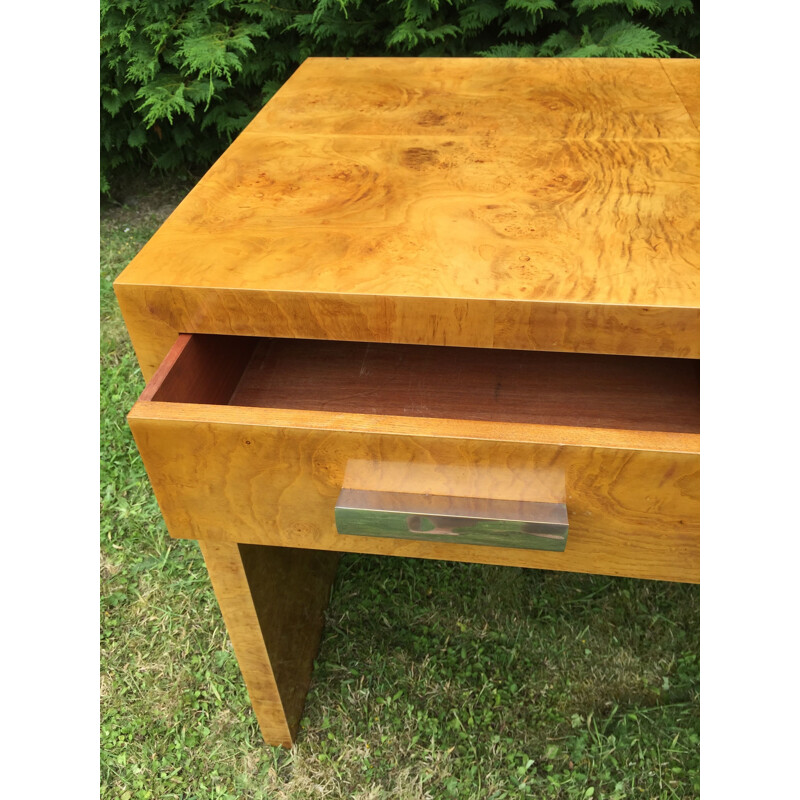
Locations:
(273, 476)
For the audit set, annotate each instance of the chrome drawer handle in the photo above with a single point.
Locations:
(462, 520)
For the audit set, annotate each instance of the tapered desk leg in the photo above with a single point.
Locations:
(272, 600)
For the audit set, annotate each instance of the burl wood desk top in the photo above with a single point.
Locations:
(537, 204)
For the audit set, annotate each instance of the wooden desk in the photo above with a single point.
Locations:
(464, 278)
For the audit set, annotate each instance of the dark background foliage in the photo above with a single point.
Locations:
(180, 78)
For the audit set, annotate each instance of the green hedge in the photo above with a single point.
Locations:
(180, 79)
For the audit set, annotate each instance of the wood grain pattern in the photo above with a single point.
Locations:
(471, 384)
(511, 204)
(623, 330)
(684, 75)
(275, 633)
(225, 568)
(531, 98)
(401, 426)
(267, 476)
(530, 204)
(201, 369)
(608, 222)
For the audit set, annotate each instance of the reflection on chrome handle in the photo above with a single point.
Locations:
(465, 520)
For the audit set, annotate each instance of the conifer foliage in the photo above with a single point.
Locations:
(180, 78)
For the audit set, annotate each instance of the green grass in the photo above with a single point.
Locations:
(434, 679)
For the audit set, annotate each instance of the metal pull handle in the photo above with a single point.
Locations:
(465, 520)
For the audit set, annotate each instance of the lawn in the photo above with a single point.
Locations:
(434, 679)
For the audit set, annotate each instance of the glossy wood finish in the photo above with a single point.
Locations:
(272, 476)
(275, 632)
(547, 204)
(251, 475)
(500, 204)
(684, 75)
(527, 98)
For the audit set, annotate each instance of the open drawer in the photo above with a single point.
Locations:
(253, 440)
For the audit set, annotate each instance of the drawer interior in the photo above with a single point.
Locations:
(569, 389)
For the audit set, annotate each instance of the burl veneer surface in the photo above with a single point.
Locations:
(547, 204)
